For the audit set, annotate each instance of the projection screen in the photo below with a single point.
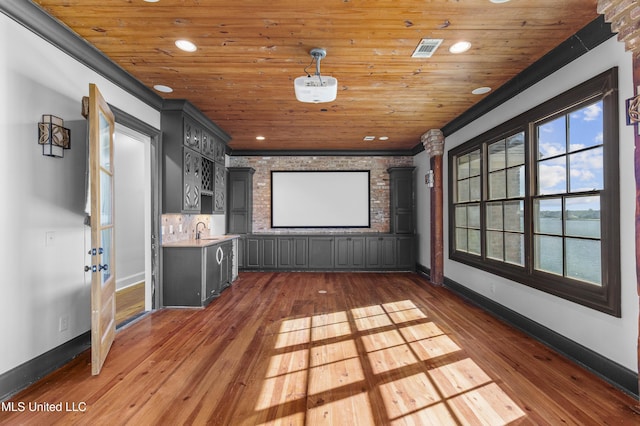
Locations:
(320, 199)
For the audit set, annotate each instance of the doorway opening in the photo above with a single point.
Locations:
(133, 224)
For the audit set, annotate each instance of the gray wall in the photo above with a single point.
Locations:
(43, 280)
(613, 338)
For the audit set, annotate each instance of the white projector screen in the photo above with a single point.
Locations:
(320, 199)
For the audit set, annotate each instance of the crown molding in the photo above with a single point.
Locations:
(35, 19)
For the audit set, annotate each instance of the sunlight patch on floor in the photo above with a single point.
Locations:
(322, 362)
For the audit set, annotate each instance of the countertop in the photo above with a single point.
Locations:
(203, 242)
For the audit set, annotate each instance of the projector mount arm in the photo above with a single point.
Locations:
(317, 54)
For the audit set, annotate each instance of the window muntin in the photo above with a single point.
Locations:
(547, 197)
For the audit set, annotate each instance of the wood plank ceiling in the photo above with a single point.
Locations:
(250, 51)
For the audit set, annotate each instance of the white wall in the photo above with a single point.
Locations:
(614, 338)
(40, 195)
(130, 213)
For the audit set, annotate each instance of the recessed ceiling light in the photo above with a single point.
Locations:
(383, 138)
(481, 90)
(460, 47)
(369, 138)
(162, 88)
(152, 1)
(499, 1)
(186, 45)
(260, 138)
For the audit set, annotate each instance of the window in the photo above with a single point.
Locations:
(536, 199)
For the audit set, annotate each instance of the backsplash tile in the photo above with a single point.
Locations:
(180, 227)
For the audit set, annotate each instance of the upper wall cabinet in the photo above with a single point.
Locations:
(192, 134)
(194, 174)
(240, 206)
(401, 195)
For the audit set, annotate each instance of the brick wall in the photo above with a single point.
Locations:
(379, 189)
(624, 16)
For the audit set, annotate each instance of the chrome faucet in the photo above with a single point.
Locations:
(198, 232)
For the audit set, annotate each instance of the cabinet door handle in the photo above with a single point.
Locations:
(219, 255)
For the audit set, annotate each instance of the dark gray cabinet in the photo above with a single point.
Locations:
(224, 261)
(194, 177)
(350, 252)
(242, 252)
(240, 200)
(261, 252)
(193, 276)
(292, 252)
(219, 187)
(406, 252)
(401, 197)
(182, 276)
(381, 252)
(321, 252)
(191, 181)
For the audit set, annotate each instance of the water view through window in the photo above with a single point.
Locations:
(536, 199)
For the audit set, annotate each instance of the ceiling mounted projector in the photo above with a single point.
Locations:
(316, 88)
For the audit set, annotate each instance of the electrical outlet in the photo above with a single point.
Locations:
(180, 228)
(171, 229)
(63, 323)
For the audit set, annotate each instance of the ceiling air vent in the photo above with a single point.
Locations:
(426, 48)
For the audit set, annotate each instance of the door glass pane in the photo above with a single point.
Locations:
(552, 176)
(515, 182)
(548, 254)
(106, 258)
(494, 216)
(106, 208)
(514, 248)
(586, 169)
(515, 150)
(495, 248)
(497, 185)
(547, 216)
(583, 260)
(583, 217)
(514, 216)
(497, 156)
(105, 142)
(552, 138)
(474, 241)
(585, 127)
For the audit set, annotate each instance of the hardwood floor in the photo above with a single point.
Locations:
(374, 349)
(129, 302)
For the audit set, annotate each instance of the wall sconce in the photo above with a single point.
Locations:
(53, 137)
(428, 179)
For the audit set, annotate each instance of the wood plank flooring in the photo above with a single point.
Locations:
(374, 349)
(129, 302)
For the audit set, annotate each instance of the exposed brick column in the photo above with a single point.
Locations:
(433, 142)
(624, 16)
